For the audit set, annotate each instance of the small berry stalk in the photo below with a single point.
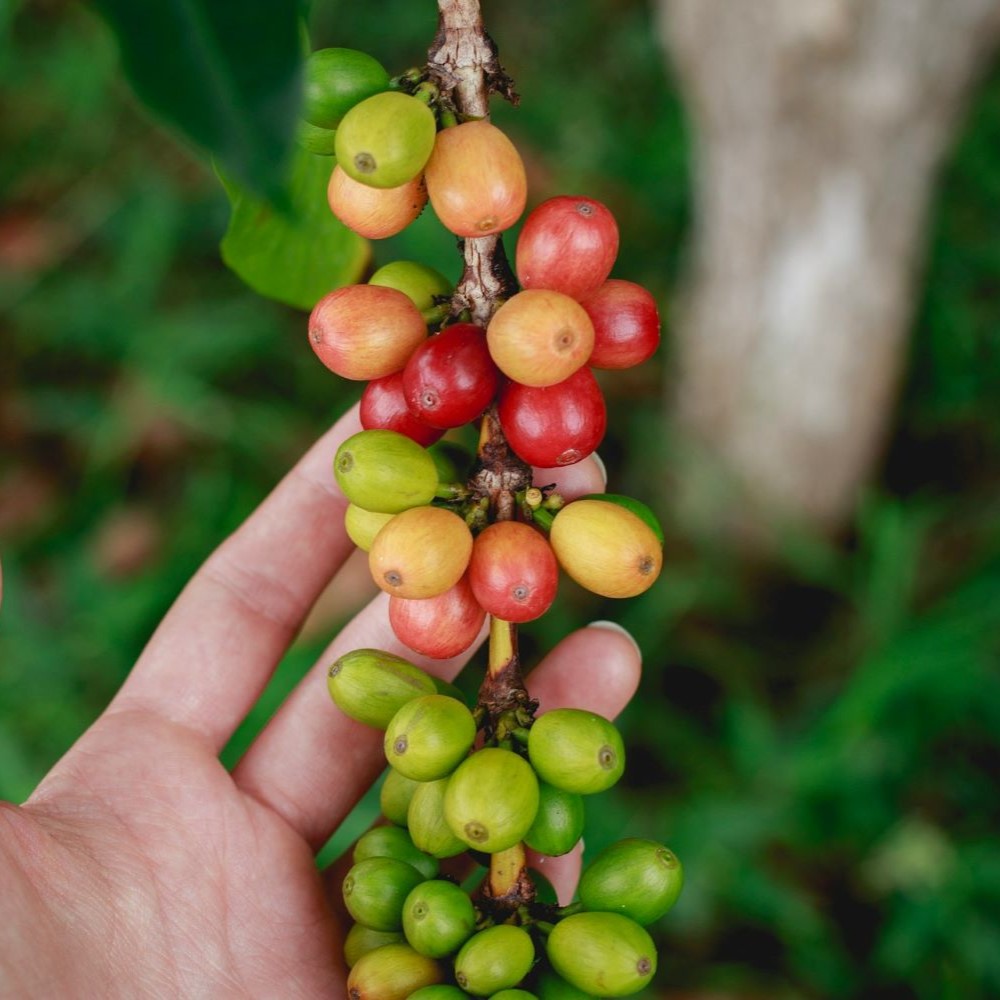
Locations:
(455, 538)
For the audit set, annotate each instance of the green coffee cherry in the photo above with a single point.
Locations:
(638, 878)
(438, 917)
(375, 890)
(449, 689)
(394, 796)
(559, 822)
(417, 281)
(371, 686)
(604, 954)
(553, 987)
(428, 737)
(491, 800)
(386, 140)
(575, 750)
(494, 959)
(428, 827)
(363, 525)
(513, 995)
(360, 940)
(384, 471)
(442, 992)
(637, 507)
(337, 79)
(393, 972)
(315, 140)
(394, 842)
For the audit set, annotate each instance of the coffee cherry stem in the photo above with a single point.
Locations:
(543, 518)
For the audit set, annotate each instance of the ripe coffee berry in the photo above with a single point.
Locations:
(439, 627)
(568, 244)
(383, 405)
(450, 378)
(556, 424)
(626, 324)
(513, 572)
(374, 213)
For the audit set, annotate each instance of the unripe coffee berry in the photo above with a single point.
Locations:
(427, 824)
(394, 798)
(491, 800)
(363, 525)
(394, 842)
(375, 889)
(371, 685)
(603, 954)
(335, 80)
(429, 736)
(384, 471)
(360, 940)
(438, 917)
(640, 879)
(576, 750)
(494, 959)
(385, 140)
(559, 822)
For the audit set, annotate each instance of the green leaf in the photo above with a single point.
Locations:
(227, 75)
(295, 255)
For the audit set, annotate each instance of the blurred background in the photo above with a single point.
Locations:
(818, 731)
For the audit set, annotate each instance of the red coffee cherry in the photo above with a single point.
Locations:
(439, 627)
(476, 179)
(513, 571)
(540, 337)
(568, 244)
(374, 213)
(556, 424)
(365, 331)
(450, 378)
(383, 407)
(626, 324)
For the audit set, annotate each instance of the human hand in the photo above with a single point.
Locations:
(141, 867)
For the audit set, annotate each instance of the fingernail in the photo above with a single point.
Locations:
(615, 627)
(599, 462)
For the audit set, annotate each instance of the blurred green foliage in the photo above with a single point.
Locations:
(816, 737)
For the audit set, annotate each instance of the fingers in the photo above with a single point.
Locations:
(214, 652)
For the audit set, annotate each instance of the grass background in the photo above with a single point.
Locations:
(816, 737)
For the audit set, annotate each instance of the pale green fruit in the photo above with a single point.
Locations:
(394, 842)
(363, 525)
(371, 685)
(438, 917)
(420, 283)
(638, 878)
(494, 959)
(360, 940)
(375, 889)
(575, 750)
(384, 471)
(429, 736)
(395, 795)
(604, 954)
(428, 827)
(491, 799)
(386, 140)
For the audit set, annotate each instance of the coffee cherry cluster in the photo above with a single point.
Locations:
(468, 787)
(440, 801)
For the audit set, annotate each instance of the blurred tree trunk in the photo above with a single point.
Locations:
(819, 125)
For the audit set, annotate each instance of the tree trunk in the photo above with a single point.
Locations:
(819, 127)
